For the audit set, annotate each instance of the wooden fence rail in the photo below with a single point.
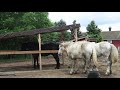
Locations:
(27, 52)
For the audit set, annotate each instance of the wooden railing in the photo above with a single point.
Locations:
(27, 52)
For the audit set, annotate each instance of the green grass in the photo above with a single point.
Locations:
(11, 61)
(18, 58)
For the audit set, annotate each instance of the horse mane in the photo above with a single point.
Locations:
(66, 43)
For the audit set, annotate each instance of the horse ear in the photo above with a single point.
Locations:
(61, 42)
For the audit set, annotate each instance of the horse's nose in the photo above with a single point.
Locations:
(59, 54)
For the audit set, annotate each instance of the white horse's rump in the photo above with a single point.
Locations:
(79, 50)
(109, 52)
(107, 49)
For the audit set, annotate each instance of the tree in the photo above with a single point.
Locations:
(64, 35)
(93, 31)
(9, 21)
(60, 23)
(20, 21)
(73, 32)
(35, 20)
(56, 36)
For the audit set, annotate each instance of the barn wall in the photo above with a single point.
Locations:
(116, 43)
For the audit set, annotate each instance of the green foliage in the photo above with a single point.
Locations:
(33, 20)
(19, 21)
(66, 34)
(56, 36)
(93, 31)
(10, 20)
(60, 23)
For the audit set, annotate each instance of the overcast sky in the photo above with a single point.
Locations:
(102, 19)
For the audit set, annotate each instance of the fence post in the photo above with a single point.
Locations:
(39, 41)
(75, 32)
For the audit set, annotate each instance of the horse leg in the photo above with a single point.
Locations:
(36, 58)
(72, 65)
(84, 66)
(34, 63)
(37, 63)
(57, 61)
(89, 63)
(109, 65)
(77, 66)
(108, 68)
(73, 62)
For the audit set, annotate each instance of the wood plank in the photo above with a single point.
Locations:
(27, 52)
(37, 31)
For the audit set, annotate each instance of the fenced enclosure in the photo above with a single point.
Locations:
(37, 32)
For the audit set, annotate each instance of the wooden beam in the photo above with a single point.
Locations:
(27, 52)
(37, 31)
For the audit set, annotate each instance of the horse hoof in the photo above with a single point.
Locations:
(84, 72)
(68, 66)
(57, 67)
(107, 74)
(71, 73)
(34, 67)
(110, 72)
(75, 72)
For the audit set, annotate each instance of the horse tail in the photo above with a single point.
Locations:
(114, 54)
(94, 57)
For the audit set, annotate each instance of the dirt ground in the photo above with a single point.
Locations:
(25, 69)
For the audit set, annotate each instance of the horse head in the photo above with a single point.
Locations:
(62, 47)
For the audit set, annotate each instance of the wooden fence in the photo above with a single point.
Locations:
(27, 52)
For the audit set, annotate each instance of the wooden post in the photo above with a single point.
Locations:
(32, 59)
(39, 41)
(76, 35)
(75, 32)
(62, 39)
(62, 36)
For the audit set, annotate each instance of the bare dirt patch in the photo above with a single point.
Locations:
(25, 69)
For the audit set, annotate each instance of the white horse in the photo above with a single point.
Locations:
(79, 50)
(109, 52)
